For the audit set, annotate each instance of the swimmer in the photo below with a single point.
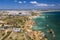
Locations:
(51, 32)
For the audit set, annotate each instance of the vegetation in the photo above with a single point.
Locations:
(20, 13)
(3, 34)
(8, 33)
(16, 39)
(17, 21)
(10, 37)
(34, 14)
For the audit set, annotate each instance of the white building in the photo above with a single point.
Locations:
(16, 29)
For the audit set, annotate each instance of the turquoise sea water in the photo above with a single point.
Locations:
(52, 19)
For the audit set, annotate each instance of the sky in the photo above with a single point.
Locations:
(30, 4)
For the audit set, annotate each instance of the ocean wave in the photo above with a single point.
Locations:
(36, 27)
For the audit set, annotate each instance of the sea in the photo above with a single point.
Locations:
(46, 21)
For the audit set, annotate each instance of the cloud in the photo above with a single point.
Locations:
(41, 4)
(33, 2)
(20, 2)
(24, 1)
(58, 4)
(52, 4)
